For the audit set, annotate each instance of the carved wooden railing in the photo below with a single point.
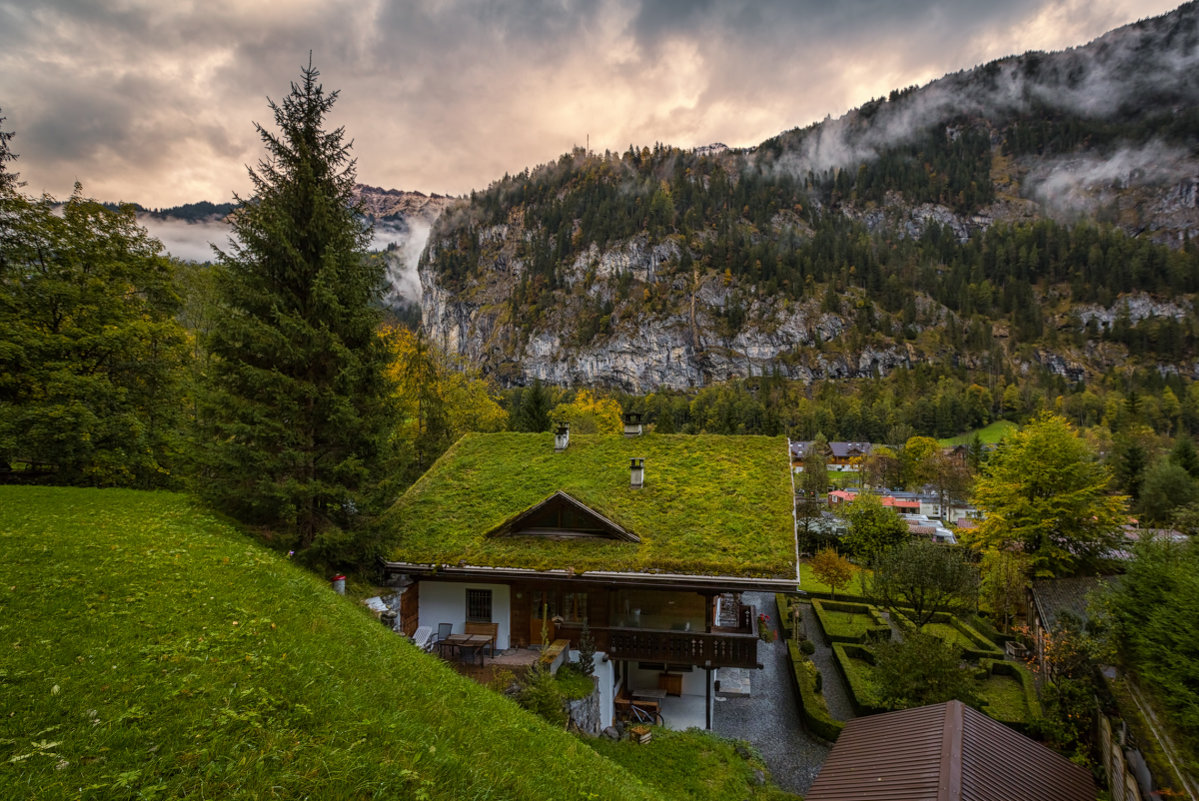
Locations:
(712, 649)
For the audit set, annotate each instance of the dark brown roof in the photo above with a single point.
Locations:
(1055, 598)
(946, 752)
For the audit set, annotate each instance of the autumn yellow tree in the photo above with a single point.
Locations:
(439, 399)
(1045, 492)
(588, 414)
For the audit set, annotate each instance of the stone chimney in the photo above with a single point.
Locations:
(636, 472)
(632, 424)
(561, 437)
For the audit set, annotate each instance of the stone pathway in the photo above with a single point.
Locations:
(836, 695)
(769, 718)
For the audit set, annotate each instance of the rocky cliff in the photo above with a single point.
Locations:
(1036, 212)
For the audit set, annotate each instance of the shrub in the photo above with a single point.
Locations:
(920, 670)
(542, 695)
(807, 647)
(786, 603)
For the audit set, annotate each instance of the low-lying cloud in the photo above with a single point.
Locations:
(154, 102)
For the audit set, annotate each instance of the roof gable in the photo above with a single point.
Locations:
(561, 517)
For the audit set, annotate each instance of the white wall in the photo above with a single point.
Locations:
(445, 602)
(693, 682)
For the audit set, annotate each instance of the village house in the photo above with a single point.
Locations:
(650, 540)
(839, 456)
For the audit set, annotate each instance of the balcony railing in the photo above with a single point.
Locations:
(714, 649)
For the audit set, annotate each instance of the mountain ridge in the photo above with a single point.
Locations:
(960, 222)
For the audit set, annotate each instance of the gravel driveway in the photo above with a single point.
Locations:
(769, 717)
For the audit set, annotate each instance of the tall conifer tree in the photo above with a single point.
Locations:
(300, 410)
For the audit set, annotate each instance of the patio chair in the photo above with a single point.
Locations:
(443, 630)
(423, 638)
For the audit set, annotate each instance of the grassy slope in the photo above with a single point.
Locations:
(991, 435)
(150, 650)
(711, 505)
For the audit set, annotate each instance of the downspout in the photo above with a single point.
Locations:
(794, 518)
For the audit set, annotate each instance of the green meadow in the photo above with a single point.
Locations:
(150, 650)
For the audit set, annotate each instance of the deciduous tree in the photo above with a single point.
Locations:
(921, 670)
(1004, 581)
(590, 414)
(872, 527)
(918, 580)
(831, 568)
(91, 355)
(1044, 491)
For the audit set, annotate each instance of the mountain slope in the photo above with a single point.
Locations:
(1032, 213)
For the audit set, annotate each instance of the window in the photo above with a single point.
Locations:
(478, 606)
(574, 607)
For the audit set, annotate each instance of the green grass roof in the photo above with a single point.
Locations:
(153, 651)
(711, 505)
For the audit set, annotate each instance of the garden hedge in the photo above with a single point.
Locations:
(861, 690)
(840, 631)
(813, 709)
(999, 667)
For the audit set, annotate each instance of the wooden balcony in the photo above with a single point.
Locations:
(719, 648)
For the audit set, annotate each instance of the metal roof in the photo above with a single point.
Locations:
(945, 752)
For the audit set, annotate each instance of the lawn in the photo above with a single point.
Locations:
(846, 622)
(1004, 698)
(949, 635)
(693, 764)
(991, 435)
(809, 583)
(152, 650)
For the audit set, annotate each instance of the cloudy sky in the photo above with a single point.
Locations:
(154, 100)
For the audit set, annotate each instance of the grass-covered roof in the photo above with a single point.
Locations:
(711, 505)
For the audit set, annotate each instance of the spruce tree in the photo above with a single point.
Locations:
(299, 408)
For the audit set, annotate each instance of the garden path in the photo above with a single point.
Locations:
(769, 718)
(836, 695)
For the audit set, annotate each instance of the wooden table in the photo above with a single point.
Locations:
(458, 642)
(654, 693)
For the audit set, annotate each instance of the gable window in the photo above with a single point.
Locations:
(478, 606)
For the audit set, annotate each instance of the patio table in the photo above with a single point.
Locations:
(460, 642)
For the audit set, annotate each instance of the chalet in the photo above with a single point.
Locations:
(649, 539)
(838, 456)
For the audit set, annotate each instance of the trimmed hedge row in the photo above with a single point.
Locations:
(999, 667)
(784, 600)
(813, 709)
(861, 690)
(840, 631)
(985, 650)
(986, 628)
